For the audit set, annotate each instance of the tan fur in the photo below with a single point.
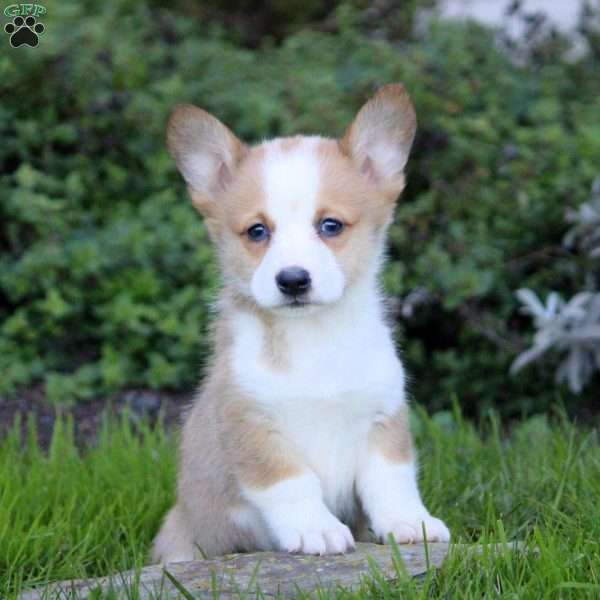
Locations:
(289, 144)
(274, 348)
(231, 215)
(360, 527)
(263, 456)
(350, 197)
(392, 438)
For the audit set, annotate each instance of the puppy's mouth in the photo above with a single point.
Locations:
(297, 305)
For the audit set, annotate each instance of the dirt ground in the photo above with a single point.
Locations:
(87, 415)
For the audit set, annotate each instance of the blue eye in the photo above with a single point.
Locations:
(330, 227)
(258, 232)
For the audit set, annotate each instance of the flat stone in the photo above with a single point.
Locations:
(270, 573)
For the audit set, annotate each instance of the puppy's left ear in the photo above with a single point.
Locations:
(380, 137)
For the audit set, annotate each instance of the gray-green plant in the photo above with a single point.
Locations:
(570, 329)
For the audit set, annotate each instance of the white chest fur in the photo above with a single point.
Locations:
(341, 371)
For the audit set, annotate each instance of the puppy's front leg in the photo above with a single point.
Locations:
(387, 485)
(288, 495)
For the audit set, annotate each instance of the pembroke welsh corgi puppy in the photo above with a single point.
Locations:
(299, 439)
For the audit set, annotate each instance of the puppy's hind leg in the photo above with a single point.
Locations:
(174, 542)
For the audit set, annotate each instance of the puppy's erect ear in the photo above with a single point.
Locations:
(205, 150)
(380, 137)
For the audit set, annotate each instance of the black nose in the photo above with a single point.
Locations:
(293, 281)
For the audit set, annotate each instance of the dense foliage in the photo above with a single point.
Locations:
(106, 272)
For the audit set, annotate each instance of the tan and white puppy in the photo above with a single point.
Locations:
(299, 438)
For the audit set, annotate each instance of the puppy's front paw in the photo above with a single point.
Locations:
(312, 531)
(407, 529)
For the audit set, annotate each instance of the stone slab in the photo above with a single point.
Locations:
(244, 575)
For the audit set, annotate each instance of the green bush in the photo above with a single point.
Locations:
(106, 273)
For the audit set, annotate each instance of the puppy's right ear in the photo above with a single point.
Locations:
(206, 153)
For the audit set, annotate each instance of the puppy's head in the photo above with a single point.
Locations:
(297, 221)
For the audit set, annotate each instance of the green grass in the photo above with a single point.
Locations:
(65, 514)
(69, 514)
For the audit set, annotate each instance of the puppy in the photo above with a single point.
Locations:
(299, 439)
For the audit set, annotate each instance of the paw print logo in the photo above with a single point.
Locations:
(24, 31)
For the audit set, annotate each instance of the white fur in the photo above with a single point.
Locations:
(297, 518)
(291, 184)
(391, 498)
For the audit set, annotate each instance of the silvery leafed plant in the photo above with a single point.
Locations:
(570, 328)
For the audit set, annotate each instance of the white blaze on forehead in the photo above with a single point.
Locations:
(291, 182)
